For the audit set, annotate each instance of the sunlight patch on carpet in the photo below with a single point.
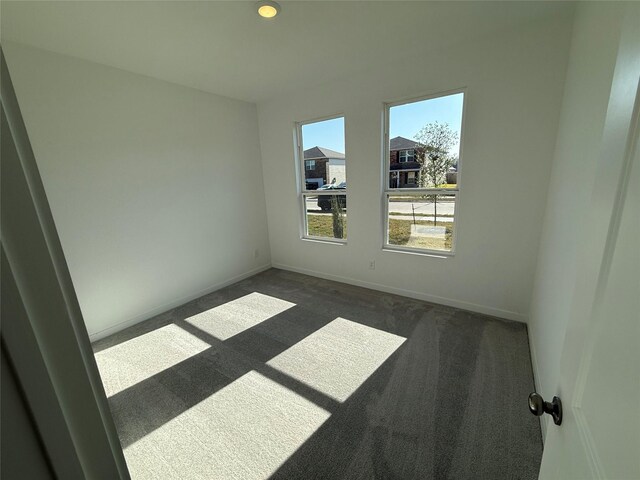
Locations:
(338, 358)
(135, 360)
(247, 430)
(231, 318)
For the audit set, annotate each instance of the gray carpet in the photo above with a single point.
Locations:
(292, 377)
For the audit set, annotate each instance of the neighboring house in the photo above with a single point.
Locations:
(322, 166)
(404, 170)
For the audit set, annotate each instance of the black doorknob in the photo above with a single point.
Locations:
(538, 406)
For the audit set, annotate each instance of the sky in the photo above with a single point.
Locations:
(328, 134)
(404, 121)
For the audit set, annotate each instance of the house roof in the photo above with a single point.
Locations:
(321, 152)
(401, 143)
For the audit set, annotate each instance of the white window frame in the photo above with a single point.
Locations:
(309, 165)
(389, 192)
(407, 157)
(303, 193)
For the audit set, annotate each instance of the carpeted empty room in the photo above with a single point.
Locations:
(284, 375)
(320, 240)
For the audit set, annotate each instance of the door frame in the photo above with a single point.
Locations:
(43, 331)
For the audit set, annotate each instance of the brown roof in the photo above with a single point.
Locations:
(401, 143)
(321, 152)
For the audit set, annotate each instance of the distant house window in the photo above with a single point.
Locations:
(420, 202)
(323, 180)
(406, 156)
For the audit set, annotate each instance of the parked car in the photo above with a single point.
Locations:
(324, 201)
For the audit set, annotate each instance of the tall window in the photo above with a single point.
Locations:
(323, 187)
(422, 168)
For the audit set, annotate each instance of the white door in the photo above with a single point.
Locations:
(600, 368)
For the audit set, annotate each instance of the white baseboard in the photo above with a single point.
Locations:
(173, 304)
(451, 302)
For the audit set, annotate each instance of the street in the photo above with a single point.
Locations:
(404, 210)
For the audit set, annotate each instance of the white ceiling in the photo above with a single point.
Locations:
(225, 48)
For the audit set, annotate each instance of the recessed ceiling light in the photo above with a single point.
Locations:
(268, 9)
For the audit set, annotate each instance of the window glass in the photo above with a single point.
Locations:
(321, 148)
(422, 222)
(423, 168)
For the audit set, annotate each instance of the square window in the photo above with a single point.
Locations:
(325, 216)
(423, 222)
(406, 156)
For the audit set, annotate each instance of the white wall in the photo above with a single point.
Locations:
(595, 40)
(514, 84)
(156, 189)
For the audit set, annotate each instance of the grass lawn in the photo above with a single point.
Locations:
(322, 225)
(421, 214)
(399, 197)
(399, 232)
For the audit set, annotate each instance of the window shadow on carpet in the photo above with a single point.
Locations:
(356, 384)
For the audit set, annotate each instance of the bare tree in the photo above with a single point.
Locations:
(434, 153)
(338, 217)
(436, 141)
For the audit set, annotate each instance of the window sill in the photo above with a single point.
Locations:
(329, 241)
(418, 251)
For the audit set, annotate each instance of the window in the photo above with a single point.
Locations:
(421, 199)
(323, 187)
(406, 156)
